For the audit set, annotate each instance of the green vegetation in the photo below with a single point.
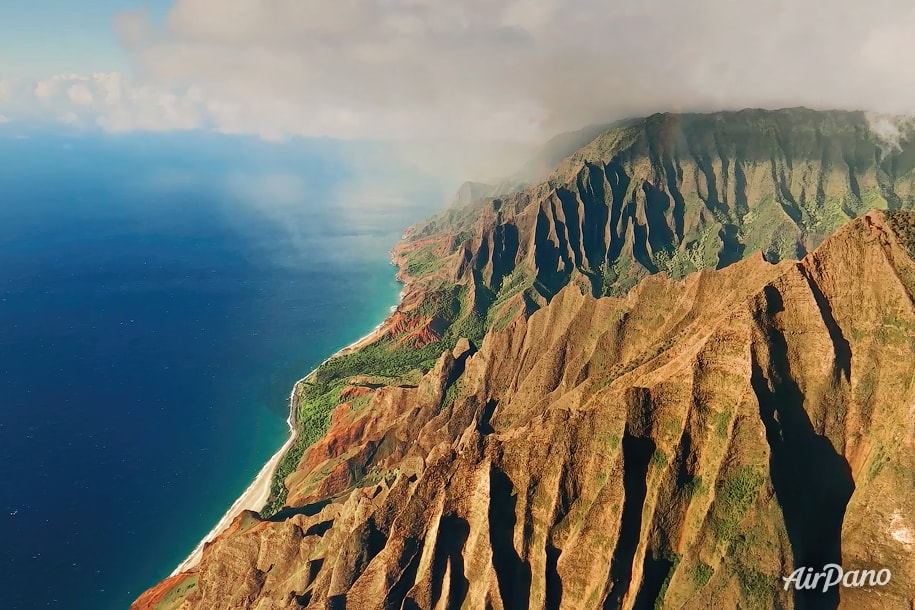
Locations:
(472, 326)
(755, 586)
(360, 402)
(515, 282)
(423, 261)
(733, 497)
(702, 573)
(743, 552)
(903, 225)
(385, 359)
(659, 458)
(619, 277)
(674, 559)
(451, 395)
(676, 264)
(694, 487)
(767, 228)
(440, 303)
(721, 421)
(879, 460)
(700, 251)
(175, 597)
(320, 395)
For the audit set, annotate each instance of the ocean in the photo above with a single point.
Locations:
(159, 295)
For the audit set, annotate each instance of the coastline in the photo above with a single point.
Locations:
(258, 492)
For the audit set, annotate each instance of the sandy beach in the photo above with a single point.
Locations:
(256, 495)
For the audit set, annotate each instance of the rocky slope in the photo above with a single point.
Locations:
(682, 447)
(621, 438)
(673, 193)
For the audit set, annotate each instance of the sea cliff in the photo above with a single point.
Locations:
(667, 375)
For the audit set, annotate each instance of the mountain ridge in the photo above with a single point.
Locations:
(595, 403)
(541, 406)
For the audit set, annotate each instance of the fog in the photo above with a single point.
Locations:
(518, 69)
(468, 84)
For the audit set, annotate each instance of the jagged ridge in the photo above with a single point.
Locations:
(607, 453)
(672, 193)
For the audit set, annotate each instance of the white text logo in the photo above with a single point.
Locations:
(832, 575)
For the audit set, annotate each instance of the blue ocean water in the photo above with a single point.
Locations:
(159, 295)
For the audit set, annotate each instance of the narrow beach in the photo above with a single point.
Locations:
(256, 495)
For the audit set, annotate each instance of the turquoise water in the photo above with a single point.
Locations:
(158, 298)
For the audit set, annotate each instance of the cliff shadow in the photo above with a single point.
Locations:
(731, 248)
(618, 180)
(513, 574)
(812, 482)
(637, 452)
(397, 595)
(309, 510)
(553, 583)
(505, 249)
(657, 206)
(656, 569)
(484, 426)
(453, 533)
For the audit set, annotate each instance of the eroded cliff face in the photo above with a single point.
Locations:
(682, 447)
(672, 193)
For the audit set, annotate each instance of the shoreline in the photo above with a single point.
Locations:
(258, 492)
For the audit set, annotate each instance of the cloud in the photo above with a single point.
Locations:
(487, 70)
(891, 130)
(47, 89)
(4, 119)
(70, 118)
(80, 94)
(8, 89)
(517, 69)
(106, 100)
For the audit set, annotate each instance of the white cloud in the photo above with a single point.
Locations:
(481, 70)
(4, 119)
(107, 100)
(517, 69)
(80, 94)
(891, 130)
(8, 87)
(47, 89)
(70, 118)
(146, 109)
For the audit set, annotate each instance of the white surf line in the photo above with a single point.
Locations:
(258, 492)
(253, 498)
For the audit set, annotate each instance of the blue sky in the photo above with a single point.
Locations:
(40, 38)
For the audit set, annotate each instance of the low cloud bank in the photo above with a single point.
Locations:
(479, 71)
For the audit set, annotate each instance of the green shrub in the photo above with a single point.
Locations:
(733, 497)
(702, 573)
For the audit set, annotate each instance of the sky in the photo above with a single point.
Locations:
(437, 70)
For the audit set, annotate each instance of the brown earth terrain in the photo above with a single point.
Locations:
(687, 445)
(637, 397)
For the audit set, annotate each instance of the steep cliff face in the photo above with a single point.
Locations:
(682, 447)
(673, 193)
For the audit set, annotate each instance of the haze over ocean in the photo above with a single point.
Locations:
(159, 295)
